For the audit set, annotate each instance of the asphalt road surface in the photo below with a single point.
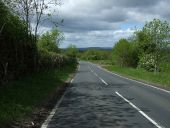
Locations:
(99, 99)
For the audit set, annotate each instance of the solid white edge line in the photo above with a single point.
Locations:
(140, 111)
(47, 121)
(134, 80)
(90, 69)
(72, 80)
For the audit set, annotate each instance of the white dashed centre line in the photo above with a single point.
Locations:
(103, 81)
(97, 76)
(140, 111)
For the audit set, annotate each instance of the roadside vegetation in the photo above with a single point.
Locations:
(31, 66)
(94, 54)
(21, 97)
(144, 56)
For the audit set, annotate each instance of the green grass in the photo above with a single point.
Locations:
(19, 97)
(161, 78)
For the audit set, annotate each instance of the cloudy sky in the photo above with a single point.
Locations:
(100, 23)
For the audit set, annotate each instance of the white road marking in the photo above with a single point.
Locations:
(98, 76)
(135, 80)
(47, 121)
(90, 69)
(140, 111)
(72, 80)
(103, 81)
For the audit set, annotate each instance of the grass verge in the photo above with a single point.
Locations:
(19, 97)
(160, 79)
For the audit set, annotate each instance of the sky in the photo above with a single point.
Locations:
(101, 23)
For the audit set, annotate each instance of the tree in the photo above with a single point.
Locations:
(4, 12)
(124, 53)
(50, 41)
(17, 47)
(121, 52)
(32, 11)
(72, 51)
(153, 39)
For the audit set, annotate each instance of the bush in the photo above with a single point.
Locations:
(51, 60)
(71, 51)
(147, 62)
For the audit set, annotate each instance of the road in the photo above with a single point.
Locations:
(99, 99)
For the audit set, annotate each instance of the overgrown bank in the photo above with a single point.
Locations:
(22, 96)
(23, 52)
(31, 65)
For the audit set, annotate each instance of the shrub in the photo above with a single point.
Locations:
(51, 60)
(147, 62)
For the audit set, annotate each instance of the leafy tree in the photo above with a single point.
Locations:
(50, 41)
(94, 54)
(18, 51)
(153, 39)
(72, 51)
(124, 53)
(16, 46)
(121, 52)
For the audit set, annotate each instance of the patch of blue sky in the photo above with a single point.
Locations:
(126, 26)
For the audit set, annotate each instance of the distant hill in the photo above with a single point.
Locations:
(96, 48)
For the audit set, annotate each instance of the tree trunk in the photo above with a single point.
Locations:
(2, 28)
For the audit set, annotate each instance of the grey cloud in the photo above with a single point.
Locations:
(136, 3)
(99, 22)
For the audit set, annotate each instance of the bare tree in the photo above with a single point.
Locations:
(33, 12)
